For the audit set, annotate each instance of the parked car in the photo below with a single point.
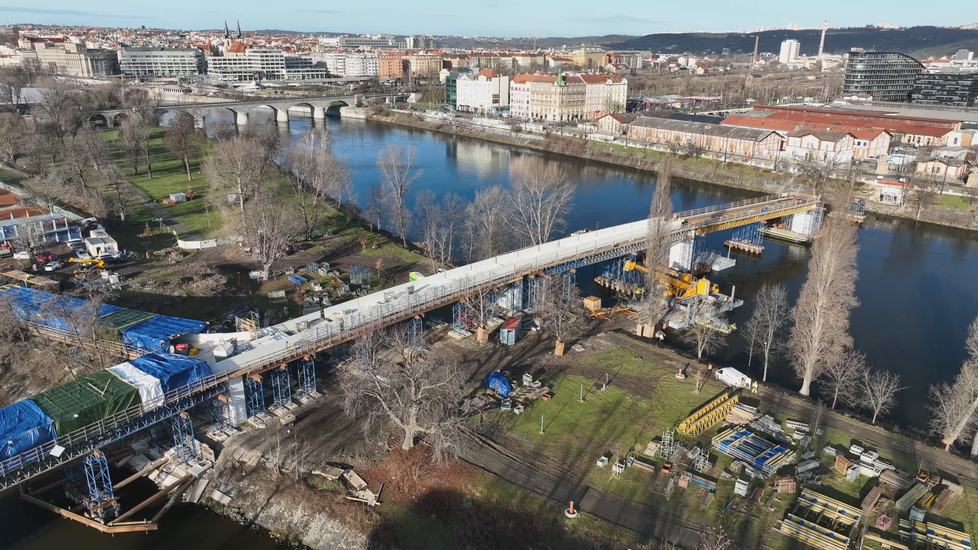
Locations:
(53, 266)
(83, 255)
(110, 258)
(46, 257)
(22, 255)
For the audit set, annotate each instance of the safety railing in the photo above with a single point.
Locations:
(403, 305)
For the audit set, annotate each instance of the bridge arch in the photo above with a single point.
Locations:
(98, 120)
(119, 118)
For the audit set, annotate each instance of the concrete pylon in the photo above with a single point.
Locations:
(241, 118)
(198, 121)
(282, 115)
(318, 113)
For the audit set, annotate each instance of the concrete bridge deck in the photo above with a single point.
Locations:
(309, 334)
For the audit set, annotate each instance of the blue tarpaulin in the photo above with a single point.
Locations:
(497, 381)
(37, 306)
(155, 333)
(297, 279)
(173, 371)
(23, 426)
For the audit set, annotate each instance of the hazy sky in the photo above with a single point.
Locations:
(486, 17)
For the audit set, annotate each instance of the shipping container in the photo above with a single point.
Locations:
(511, 331)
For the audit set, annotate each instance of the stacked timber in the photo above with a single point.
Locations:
(741, 415)
(871, 499)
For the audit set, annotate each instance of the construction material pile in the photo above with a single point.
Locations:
(762, 456)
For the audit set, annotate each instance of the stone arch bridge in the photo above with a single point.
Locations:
(314, 107)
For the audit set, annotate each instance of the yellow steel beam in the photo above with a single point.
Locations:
(757, 217)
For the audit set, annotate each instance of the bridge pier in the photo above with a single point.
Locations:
(681, 254)
(241, 118)
(282, 115)
(198, 121)
(806, 223)
(318, 113)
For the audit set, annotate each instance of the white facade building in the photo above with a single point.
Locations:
(373, 41)
(483, 92)
(162, 62)
(349, 64)
(790, 50)
(255, 64)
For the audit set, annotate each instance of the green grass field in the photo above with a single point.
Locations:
(170, 176)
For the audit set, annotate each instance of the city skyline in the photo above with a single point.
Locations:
(442, 18)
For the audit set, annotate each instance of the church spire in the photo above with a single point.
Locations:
(239, 30)
(227, 33)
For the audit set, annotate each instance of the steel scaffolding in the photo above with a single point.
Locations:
(364, 355)
(749, 234)
(515, 294)
(532, 293)
(101, 501)
(183, 437)
(415, 332)
(306, 374)
(491, 305)
(460, 317)
(570, 281)
(281, 387)
(360, 275)
(255, 394)
(221, 412)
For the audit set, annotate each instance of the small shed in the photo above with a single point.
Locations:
(511, 331)
(101, 243)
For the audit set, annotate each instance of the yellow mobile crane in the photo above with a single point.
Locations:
(680, 285)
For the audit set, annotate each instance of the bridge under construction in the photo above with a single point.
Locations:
(234, 385)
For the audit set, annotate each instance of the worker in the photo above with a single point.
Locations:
(709, 367)
(753, 388)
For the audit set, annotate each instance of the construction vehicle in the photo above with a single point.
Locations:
(89, 267)
(680, 285)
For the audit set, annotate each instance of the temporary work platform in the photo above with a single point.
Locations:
(86, 400)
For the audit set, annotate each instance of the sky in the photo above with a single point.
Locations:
(484, 17)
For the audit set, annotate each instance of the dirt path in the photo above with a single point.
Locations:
(177, 227)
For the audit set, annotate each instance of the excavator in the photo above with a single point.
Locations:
(680, 285)
(88, 267)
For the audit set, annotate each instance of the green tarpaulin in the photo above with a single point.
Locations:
(86, 400)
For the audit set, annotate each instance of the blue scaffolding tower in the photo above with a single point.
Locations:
(255, 394)
(183, 437)
(360, 275)
(749, 234)
(306, 374)
(281, 387)
(570, 281)
(491, 304)
(221, 412)
(515, 294)
(101, 501)
(415, 332)
(532, 293)
(460, 317)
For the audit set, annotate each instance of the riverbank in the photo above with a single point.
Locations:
(716, 172)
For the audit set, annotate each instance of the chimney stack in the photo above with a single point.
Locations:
(821, 44)
(757, 41)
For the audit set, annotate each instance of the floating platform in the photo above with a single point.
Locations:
(786, 236)
(750, 248)
(720, 263)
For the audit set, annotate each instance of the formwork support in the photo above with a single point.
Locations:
(460, 317)
(221, 412)
(255, 394)
(101, 501)
(491, 305)
(415, 332)
(532, 293)
(570, 281)
(306, 374)
(281, 387)
(515, 295)
(183, 437)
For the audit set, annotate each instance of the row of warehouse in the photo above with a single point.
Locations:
(142, 382)
(136, 329)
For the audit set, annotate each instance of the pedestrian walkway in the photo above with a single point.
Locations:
(177, 227)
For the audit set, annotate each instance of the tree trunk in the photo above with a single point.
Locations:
(764, 377)
(974, 447)
(874, 418)
(806, 387)
(186, 164)
(266, 269)
(408, 442)
(149, 166)
(835, 398)
(559, 349)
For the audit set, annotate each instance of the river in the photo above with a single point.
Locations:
(915, 297)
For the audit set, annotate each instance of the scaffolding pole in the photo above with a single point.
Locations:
(255, 394)
(281, 387)
(183, 437)
(306, 374)
(221, 412)
(415, 332)
(460, 317)
(101, 501)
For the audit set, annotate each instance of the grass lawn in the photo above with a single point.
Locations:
(169, 176)
(10, 177)
(952, 201)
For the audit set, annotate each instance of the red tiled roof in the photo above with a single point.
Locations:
(488, 73)
(823, 135)
(524, 78)
(600, 78)
(237, 47)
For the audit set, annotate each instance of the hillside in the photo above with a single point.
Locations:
(937, 40)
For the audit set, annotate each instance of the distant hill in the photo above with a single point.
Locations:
(525, 43)
(937, 40)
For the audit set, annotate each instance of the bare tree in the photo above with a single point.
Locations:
(131, 137)
(93, 148)
(374, 209)
(949, 405)
(236, 169)
(818, 168)
(29, 237)
(540, 199)
(820, 333)
(965, 389)
(269, 227)
(879, 391)
(453, 215)
(184, 139)
(412, 390)
(61, 106)
(428, 215)
(13, 80)
(657, 244)
(486, 234)
(13, 130)
(843, 378)
(315, 174)
(766, 324)
(398, 174)
(704, 338)
(714, 538)
(558, 304)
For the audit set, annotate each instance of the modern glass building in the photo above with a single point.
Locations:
(886, 76)
(951, 88)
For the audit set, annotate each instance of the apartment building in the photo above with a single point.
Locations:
(955, 88)
(64, 57)
(882, 76)
(566, 98)
(823, 145)
(605, 94)
(162, 62)
(790, 50)
(390, 65)
(423, 64)
(484, 92)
